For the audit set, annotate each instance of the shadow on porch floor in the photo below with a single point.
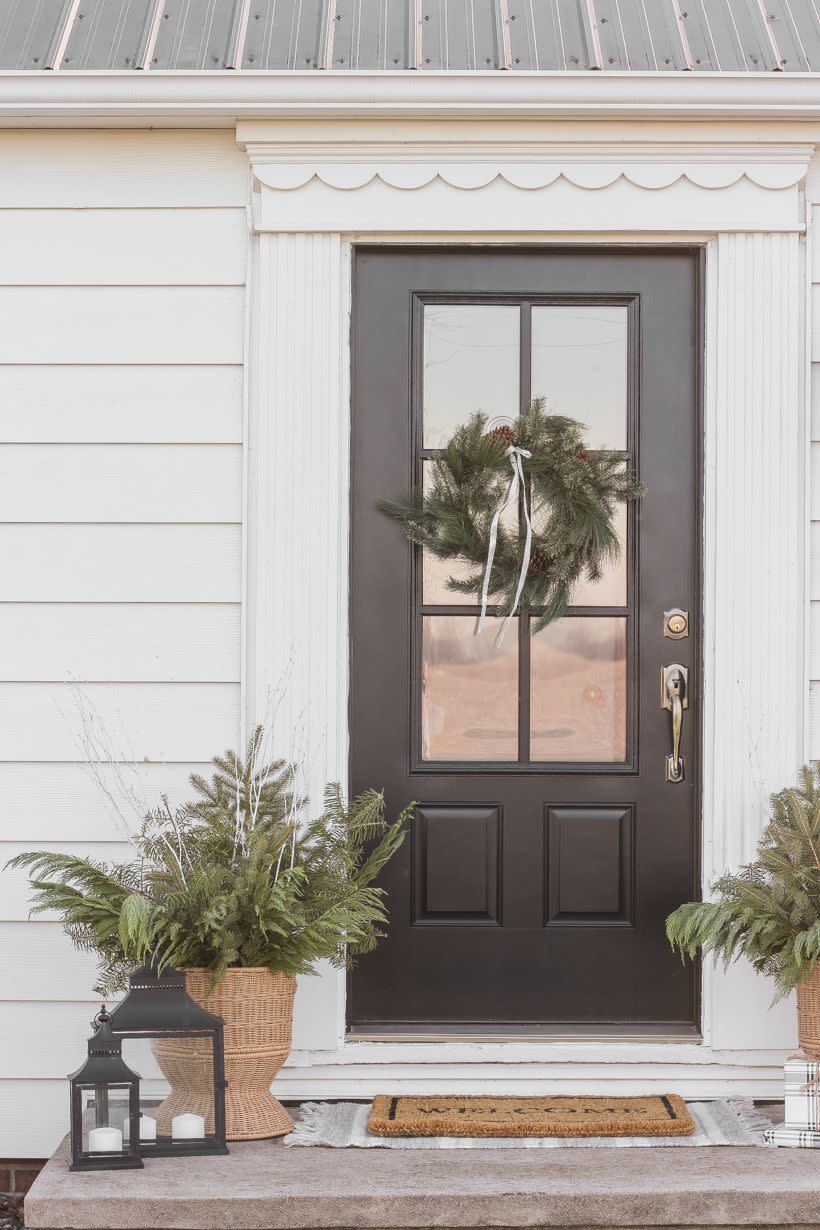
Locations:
(263, 1186)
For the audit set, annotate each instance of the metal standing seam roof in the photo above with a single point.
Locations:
(755, 36)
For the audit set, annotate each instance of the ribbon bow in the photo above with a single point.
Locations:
(515, 454)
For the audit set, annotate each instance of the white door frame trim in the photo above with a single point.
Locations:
(754, 508)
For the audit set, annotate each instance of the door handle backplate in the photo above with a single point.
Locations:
(675, 698)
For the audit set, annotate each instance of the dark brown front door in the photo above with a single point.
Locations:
(547, 845)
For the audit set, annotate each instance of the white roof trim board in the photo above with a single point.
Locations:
(596, 36)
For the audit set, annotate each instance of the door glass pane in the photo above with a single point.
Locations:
(578, 691)
(579, 363)
(436, 572)
(611, 589)
(469, 707)
(471, 362)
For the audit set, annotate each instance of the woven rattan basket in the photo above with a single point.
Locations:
(257, 1008)
(808, 1014)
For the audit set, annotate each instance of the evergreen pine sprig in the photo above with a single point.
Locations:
(574, 495)
(232, 878)
(769, 911)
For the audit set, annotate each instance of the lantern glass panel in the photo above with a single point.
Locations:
(184, 1066)
(105, 1111)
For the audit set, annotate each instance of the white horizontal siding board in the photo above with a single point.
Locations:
(153, 721)
(120, 482)
(46, 1040)
(121, 168)
(814, 658)
(120, 404)
(134, 324)
(39, 963)
(54, 803)
(15, 892)
(815, 482)
(33, 1116)
(42, 1041)
(123, 247)
(165, 642)
(815, 399)
(121, 563)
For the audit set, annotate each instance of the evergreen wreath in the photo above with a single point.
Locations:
(573, 493)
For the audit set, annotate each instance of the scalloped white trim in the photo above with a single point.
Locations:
(528, 176)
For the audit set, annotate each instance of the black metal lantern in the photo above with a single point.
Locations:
(105, 1106)
(188, 1045)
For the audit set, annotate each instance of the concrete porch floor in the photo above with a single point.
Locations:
(263, 1186)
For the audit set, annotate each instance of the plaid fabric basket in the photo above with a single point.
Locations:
(792, 1137)
(802, 1080)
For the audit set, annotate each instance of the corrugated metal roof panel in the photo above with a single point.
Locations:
(28, 29)
(107, 32)
(373, 34)
(193, 34)
(533, 35)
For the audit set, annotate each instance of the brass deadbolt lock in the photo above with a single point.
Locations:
(676, 624)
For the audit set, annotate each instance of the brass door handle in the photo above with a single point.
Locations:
(675, 698)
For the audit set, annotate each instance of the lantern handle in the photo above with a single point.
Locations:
(102, 1018)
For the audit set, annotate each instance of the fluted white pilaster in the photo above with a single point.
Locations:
(298, 499)
(754, 541)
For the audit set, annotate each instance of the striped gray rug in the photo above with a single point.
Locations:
(343, 1125)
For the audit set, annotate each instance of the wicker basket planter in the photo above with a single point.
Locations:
(257, 1008)
(808, 1014)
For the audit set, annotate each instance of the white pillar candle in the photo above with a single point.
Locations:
(148, 1129)
(105, 1140)
(188, 1127)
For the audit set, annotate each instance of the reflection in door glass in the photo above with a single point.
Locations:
(471, 362)
(578, 691)
(469, 705)
(579, 363)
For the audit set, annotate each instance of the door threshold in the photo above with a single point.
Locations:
(668, 1032)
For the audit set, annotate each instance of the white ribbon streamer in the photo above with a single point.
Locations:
(515, 454)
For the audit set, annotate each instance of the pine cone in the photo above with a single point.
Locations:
(505, 434)
(540, 561)
(581, 453)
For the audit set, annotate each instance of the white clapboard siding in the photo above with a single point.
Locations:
(58, 803)
(119, 169)
(121, 563)
(44, 1041)
(120, 482)
(815, 401)
(39, 962)
(154, 721)
(128, 404)
(101, 641)
(51, 1037)
(814, 651)
(15, 894)
(121, 324)
(134, 247)
(34, 1115)
(123, 259)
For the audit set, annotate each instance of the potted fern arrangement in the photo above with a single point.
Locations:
(769, 911)
(234, 889)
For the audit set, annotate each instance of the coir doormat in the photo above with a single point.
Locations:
(654, 1115)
